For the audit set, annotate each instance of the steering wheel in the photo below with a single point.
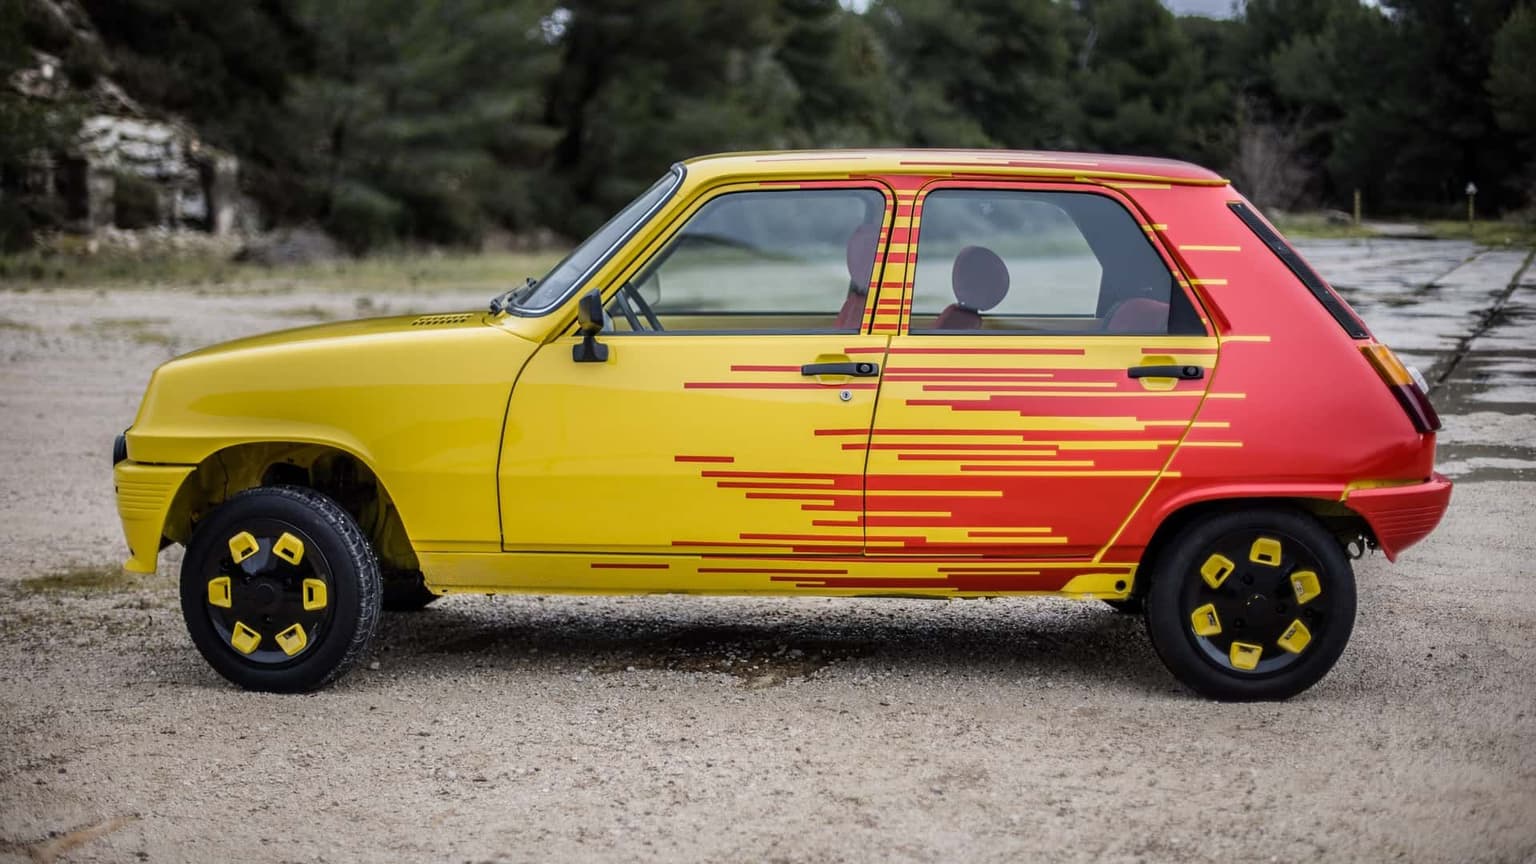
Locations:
(645, 308)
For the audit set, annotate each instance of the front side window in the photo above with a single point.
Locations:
(762, 261)
(1028, 261)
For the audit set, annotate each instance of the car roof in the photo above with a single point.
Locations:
(1018, 163)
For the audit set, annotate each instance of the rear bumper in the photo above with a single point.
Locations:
(1401, 516)
(144, 496)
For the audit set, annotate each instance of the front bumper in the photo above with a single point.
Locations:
(1401, 516)
(144, 496)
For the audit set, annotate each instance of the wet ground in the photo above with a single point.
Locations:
(1465, 315)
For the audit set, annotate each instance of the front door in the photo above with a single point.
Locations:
(737, 371)
(1047, 367)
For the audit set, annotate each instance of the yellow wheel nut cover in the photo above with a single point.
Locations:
(289, 548)
(243, 638)
(1295, 637)
(1216, 569)
(1306, 585)
(1266, 550)
(314, 595)
(218, 592)
(242, 546)
(292, 640)
(1245, 656)
(1204, 621)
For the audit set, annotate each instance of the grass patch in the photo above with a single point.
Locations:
(17, 326)
(1317, 226)
(390, 273)
(1512, 232)
(91, 579)
(141, 331)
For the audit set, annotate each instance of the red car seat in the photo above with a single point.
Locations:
(862, 245)
(1138, 315)
(980, 281)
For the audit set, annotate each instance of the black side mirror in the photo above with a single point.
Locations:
(589, 323)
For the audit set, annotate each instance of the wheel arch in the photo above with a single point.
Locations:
(1337, 518)
(336, 471)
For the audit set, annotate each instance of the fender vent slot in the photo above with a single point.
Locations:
(440, 320)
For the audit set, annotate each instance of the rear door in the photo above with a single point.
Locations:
(1047, 365)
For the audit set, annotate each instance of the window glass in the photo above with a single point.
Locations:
(557, 283)
(1012, 261)
(790, 261)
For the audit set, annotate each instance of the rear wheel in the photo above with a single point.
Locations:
(280, 589)
(1250, 605)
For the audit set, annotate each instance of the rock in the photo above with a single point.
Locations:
(290, 246)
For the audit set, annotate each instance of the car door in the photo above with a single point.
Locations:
(1048, 364)
(738, 367)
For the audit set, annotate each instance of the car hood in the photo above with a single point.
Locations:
(364, 329)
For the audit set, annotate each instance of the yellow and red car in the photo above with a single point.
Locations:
(862, 373)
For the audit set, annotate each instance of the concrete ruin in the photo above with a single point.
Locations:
(192, 185)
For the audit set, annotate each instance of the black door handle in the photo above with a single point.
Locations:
(1186, 372)
(862, 369)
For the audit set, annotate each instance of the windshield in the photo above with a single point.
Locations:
(541, 296)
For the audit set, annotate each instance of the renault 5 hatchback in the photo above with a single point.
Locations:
(859, 373)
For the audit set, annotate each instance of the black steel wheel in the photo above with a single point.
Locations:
(280, 590)
(1250, 605)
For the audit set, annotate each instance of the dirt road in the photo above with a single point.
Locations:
(661, 729)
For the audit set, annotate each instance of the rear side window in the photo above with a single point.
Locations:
(1026, 261)
(1282, 250)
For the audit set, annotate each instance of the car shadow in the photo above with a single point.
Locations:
(764, 643)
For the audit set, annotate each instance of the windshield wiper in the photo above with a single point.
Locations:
(512, 296)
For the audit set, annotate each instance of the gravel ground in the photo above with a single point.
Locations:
(667, 728)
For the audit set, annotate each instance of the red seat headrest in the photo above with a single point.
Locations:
(861, 255)
(980, 278)
(1138, 315)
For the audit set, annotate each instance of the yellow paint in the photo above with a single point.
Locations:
(1245, 656)
(1207, 281)
(1160, 384)
(243, 546)
(218, 592)
(315, 596)
(243, 638)
(1195, 248)
(421, 406)
(289, 548)
(1306, 585)
(1266, 551)
(144, 496)
(1357, 485)
(1204, 620)
(1216, 569)
(1250, 338)
(292, 640)
(1295, 637)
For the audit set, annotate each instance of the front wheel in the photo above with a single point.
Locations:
(280, 589)
(1251, 605)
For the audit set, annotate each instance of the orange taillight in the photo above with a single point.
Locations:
(1409, 387)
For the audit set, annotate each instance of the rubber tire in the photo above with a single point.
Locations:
(406, 592)
(1169, 630)
(356, 590)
